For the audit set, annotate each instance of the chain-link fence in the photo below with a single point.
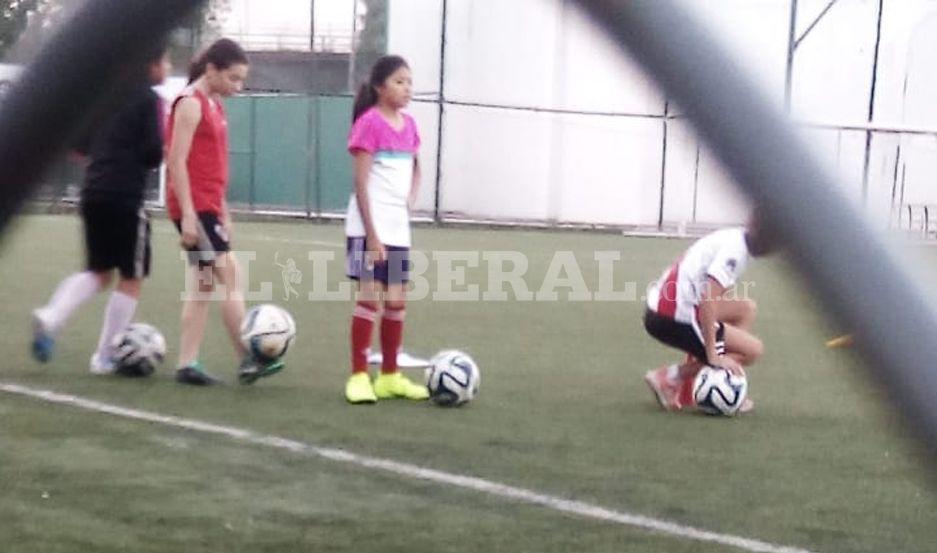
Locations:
(527, 115)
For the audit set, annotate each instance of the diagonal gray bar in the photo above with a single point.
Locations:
(848, 267)
(78, 69)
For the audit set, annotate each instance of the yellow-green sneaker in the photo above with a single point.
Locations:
(387, 386)
(358, 389)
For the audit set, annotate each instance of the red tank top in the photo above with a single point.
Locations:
(208, 158)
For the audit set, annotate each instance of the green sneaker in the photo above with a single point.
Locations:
(358, 389)
(394, 385)
(251, 371)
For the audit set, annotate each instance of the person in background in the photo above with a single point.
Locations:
(122, 152)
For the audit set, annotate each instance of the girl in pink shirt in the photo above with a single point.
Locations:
(384, 142)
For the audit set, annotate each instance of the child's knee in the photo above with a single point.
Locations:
(369, 305)
(757, 349)
(104, 279)
(130, 286)
(395, 305)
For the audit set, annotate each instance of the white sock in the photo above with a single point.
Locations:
(71, 293)
(117, 316)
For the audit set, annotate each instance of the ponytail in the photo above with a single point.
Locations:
(197, 68)
(366, 98)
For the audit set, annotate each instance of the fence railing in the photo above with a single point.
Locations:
(288, 156)
(330, 42)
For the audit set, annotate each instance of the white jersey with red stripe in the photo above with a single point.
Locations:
(722, 255)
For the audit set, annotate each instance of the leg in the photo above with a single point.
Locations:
(367, 308)
(130, 251)
(395, 310)
(358, 389)
(743, 346)
(100, 221)
(70, 294)
(117, 316)
(668, 383)
(194, 314)
(738, 313)
(228, 273)
(391, 383)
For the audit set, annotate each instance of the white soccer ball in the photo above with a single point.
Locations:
(719, 392)
(452, 378)
(138, 350)
(267, 332)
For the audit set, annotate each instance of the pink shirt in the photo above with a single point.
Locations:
(373, 134)
(391, 176)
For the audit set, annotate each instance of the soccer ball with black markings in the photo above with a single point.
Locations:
(719, 392)
(138, 350)
(267, 332)
(452, 378)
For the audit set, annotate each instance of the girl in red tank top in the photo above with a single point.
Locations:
(207, 161)
(198, 181)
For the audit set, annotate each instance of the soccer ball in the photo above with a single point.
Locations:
(452, 378)
(719, 392)
(138, 350)
(267, 332)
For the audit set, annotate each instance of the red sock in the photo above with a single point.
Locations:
(686, 384)
(362, 323)
(686, 392)
(391, 338)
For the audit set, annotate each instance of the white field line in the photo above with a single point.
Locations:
(577, 508)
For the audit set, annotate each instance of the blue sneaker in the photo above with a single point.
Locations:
(43, 341)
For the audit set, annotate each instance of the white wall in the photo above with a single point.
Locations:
(606, 167)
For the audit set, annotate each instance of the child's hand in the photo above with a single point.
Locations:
(376, 253)
(189, 237)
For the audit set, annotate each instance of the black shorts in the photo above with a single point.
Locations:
(212, 239)
(682, 336)
(117, 237)
(395, 270)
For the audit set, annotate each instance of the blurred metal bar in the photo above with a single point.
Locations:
(441, 106)
(868, 134)
(791, 46)
(884, 129)
(80, 67)
(663, 168)
(814, 24)
(848, 267)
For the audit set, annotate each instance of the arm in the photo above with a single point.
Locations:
(188, 115)
(415, 186)
(711, 292)
(150, 146)
(226, 221)
(362, 168)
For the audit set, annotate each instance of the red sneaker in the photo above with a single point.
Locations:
(666, 390)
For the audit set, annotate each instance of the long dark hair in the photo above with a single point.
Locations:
(223, 53)
(367, 93)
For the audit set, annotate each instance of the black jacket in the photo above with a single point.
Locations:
(124, 149)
